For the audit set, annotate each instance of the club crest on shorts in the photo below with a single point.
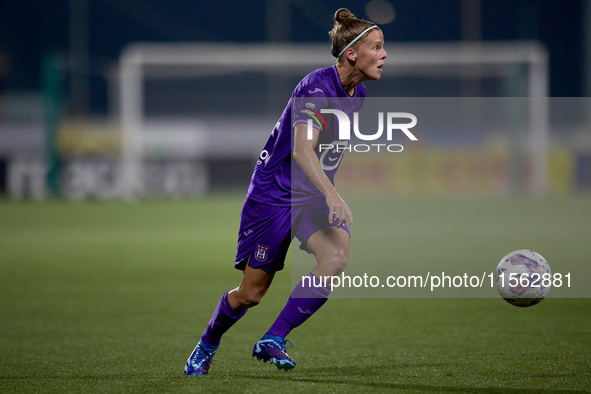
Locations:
(262, 252)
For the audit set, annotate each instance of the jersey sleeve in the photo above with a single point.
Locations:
(307, 103)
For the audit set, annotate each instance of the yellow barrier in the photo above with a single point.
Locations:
(434, 172)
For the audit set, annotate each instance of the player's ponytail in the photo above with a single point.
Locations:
(348, 31)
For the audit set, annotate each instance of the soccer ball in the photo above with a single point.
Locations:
(523, 278)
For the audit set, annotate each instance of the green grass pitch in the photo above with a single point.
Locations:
(112, 297)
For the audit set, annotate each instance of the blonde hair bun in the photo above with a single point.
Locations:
(343, 14)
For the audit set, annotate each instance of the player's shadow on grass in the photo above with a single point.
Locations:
(366, 376)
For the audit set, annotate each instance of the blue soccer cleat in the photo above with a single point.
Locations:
(272, 348)
(200, 360)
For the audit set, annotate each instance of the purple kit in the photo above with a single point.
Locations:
(282, 202)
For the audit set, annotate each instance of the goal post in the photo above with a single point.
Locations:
(142, 62)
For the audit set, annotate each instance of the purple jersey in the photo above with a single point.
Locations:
(275, 180)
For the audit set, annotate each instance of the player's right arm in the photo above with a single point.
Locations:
(305, 156)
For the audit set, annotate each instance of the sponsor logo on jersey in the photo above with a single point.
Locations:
(331, 158)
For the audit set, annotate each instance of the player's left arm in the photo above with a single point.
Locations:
(305, 156)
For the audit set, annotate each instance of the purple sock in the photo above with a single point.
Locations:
(223, 318)
(303, 303)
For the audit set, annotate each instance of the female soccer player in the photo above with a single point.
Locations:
(284, 201)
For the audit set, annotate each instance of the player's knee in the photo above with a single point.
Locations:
(250, 299)
(340, 263)
(336, 262)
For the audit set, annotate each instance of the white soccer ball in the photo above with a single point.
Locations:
(523, 278)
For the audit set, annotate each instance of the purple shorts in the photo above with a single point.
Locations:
(266, 232)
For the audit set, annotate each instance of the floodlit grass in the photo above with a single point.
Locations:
(112, 297)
